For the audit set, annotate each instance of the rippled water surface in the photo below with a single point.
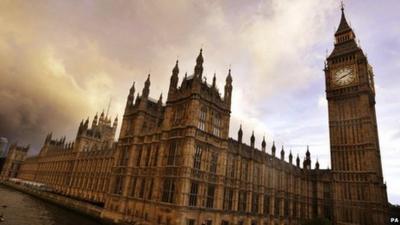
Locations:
(23, 209)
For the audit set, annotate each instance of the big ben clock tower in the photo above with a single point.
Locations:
(359, 192)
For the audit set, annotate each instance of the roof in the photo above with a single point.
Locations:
(343, 26)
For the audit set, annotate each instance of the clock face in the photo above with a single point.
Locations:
(344, 76)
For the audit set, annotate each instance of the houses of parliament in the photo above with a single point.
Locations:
(175, 164)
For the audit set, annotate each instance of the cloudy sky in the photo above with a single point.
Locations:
(62, 61)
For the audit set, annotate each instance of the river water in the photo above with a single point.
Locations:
(23, 209)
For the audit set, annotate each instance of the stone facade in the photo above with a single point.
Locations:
(80, 169)
(15, 157)
(175, 164)
(358, 187)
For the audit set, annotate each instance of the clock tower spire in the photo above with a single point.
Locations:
(358, 190)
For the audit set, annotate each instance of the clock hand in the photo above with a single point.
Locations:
(342, 77)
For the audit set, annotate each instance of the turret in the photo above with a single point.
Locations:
(240, 134)
(290, 157)
(146, 88)
(174, 78)
(298, 161)
(317, 165)
(263, 144)
(49, 136)
(94, 122)
(160, 101)
(273, 148)
(86, 124)
(282, 154)
(252, 140)
(101, 121)
(214, 81)
(307, 160)
(131, 96)
(198, 69)
(228, 89)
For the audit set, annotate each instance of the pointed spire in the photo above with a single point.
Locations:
(176, 68)
(252, 139)
(229, 76)
(86, 122)
(228, 89)
(146, 88)
(308, 152)
(317, 165)
(160, 99)
(214, 80)
(240, 134)
(290, 157)
(263, 144)
(115, 121)
(298, 161)
(198, 69)
(273, 148)
(94, 122)
(173, 85)
(132, 89)
(282, 153)
(343, 25)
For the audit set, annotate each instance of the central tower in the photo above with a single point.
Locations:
(358, 190)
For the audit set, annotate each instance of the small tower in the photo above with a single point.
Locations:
(214, 81)
(228, 89)
(240, 134)
(146, 88)
(263, 144)
(307, 160)
(173, 85)
(131, 96)
(86, 124)
(101, 121)
(298, 161)
(94, 122)
(252, 140)
(273, 149)
(282, 153)
(290, 157)
(198, 69)
(317, 165)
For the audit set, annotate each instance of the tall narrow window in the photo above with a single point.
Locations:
(217, 125)
(155, 159)
(150, 191)
(277, 206)
(228, 196)
(139, 156)
(286, 207)
(168, 190)
(133, 186)
(172, 152)
(203, 118)
(214, 162)
(266, 204)
(193, 194)
(254, 201)
(124, 156)
(230, 167)
(148, 151)
(242, 201)
(118, 185)
(197, 158)
(210, 196)
(142, 186)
